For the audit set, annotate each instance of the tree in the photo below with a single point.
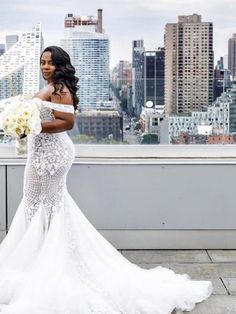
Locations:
(108, 141)
(83, 139)
(150, 139)
(137, 126)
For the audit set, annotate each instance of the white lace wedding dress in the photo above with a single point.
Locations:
(53, 261)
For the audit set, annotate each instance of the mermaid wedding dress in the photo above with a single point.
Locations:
(53, 261)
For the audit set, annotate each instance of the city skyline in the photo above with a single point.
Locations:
(124, 21)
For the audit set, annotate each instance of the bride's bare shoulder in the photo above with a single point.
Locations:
(45, 93)
(62, 96)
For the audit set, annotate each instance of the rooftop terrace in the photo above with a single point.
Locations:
(158, 205)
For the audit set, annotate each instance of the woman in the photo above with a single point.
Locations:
(53, 261)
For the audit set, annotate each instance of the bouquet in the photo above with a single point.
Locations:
(19, 119)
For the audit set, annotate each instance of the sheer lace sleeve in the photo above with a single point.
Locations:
(59, 107)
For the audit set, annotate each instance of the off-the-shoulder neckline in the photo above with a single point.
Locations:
(53, 103)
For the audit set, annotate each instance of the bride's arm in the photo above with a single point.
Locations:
(63, 120)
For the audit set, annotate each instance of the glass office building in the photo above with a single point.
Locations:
(88, 48)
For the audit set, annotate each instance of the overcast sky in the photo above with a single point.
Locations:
(123, 20)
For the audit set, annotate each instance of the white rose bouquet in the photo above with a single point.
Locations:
(19, 119)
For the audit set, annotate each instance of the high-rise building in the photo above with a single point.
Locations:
(121, 74)
(221, 80)
(153, 77)
(11, 40)
(232, 55)
(220, 64)
(124, 73)
(219, 76)
(88, 48)
(188, 65)
(2, 49)
(137, 79)
(121, 79)
(20, 66)
(225, 61)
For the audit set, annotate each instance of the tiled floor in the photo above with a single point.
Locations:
(219, 266)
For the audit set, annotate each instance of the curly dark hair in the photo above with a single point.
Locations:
(64, 74)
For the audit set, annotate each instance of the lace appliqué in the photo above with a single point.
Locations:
(51, 202)
(49, 154)
(31, 211)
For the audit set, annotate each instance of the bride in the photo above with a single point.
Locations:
(53, 261)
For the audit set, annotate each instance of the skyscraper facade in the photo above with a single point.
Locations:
(189, 65)
(232, 55)
(88, 48)
(121, 80)
(11, 40)
(137, 76)
(153, 77)
(20, 66)
(221, 78)
(124, 73)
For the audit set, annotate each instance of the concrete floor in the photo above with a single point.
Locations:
(218, 266)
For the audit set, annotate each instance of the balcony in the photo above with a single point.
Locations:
(158, 205)
(167, 197)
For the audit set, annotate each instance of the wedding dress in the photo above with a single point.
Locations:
(53, 261)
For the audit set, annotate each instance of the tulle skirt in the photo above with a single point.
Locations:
(72, 269)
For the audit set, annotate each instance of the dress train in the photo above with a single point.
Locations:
(53, 260)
